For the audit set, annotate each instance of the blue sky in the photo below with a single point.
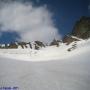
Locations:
(65, 14)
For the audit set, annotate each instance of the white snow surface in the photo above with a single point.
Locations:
(51, 68)
(47, 53)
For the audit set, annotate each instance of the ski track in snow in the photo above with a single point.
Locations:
(71, 73)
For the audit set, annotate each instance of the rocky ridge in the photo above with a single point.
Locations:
(81, 31)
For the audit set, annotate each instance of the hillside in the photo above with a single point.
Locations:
(52, 68)
(48, 52)
(80, 30)
(59, 65)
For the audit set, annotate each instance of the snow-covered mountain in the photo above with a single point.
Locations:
(48, 52)
(61, 65)
(50, 68)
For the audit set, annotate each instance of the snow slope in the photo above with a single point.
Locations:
(47, 53)
(65, 72)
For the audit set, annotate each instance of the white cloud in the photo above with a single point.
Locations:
(32, 23)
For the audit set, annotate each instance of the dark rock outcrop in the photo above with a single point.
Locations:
(82, 28)
(9, 46)
(37, 47)
(12, 46)
(69, 39)
(39, 43)
(55, 42)
(22, 44)
(30, 45)
(74, 46)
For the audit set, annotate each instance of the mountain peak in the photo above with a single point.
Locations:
(82, 28)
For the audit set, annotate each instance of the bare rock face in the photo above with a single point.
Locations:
(74, 46)
(38, 45)
(69, 39)
(24, 44)
(12, 46)
(55, 42)
(82, 28)
(8, 46)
